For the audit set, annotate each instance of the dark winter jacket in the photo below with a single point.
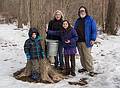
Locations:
(54, 25)
(32, 47)
(80, 30)
(90, 29)
(65, 35)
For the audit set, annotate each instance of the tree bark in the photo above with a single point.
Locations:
(110, 26)
(47, 73)
(20, 14)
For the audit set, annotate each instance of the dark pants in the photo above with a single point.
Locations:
(59, 57)
(67, 64)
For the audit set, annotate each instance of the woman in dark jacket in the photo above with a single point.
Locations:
(56, 25)
(69, 38)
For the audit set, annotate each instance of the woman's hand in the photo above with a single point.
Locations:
(46, 30)
(67, 41)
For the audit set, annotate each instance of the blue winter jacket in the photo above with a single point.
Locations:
(90, 29)
(71, 35)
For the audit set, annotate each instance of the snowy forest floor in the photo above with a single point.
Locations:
(12, 58)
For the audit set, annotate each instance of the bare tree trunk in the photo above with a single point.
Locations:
(20, 14)
(25, 11)
(1, 5)
(103, 27)
(111, 18)
(23, 16)
(28, 9)
(46, 71)
(37, 20)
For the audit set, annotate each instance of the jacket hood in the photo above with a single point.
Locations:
(33, 30)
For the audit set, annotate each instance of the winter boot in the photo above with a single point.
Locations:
(73, 65)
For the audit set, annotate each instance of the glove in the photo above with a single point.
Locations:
(28, 56)
(43, 55)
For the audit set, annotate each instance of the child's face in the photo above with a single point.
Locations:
(65, 24)
(34, 35)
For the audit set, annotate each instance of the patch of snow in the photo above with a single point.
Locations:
(106, 56)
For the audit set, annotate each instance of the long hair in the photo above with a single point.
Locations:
(69, 26)
(85, 10)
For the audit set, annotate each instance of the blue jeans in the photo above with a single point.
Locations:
(59, 57)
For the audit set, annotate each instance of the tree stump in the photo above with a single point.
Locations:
(47, 73)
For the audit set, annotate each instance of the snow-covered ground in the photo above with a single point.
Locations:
(106, 61)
